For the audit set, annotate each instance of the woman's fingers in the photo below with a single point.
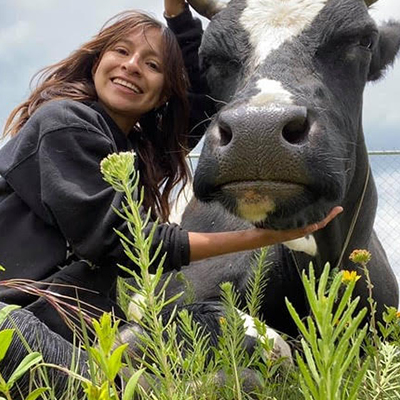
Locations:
(287, 235)
(321, 224)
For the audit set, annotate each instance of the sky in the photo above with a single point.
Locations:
(36, 33)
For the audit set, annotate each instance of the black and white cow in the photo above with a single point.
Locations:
(288, 143)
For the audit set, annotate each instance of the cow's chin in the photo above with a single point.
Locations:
(255, 200)
(272, 204)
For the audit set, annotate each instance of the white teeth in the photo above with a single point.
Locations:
(127, 84)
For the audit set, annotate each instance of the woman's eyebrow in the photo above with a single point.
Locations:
(131, 43)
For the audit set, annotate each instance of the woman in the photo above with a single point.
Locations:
(126, 89)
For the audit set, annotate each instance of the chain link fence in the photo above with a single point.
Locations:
(386, 171)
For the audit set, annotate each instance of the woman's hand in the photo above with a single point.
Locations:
(272, 236)
(172, 8)
(205, 245)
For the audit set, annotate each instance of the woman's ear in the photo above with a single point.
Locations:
(163, 100)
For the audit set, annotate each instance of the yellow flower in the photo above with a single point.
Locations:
(222, 320)
(350, 276)
(398, 314)
(360, 256)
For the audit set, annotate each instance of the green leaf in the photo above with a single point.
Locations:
(29, 361)
(323, 281)
(358, 381)
(130, 388)
(5, 311)
(6, 336)
(36, 393)
(310, 361)
(306, 378)
(98, 356)
(115, 363)
(297, 320)
(343, 302)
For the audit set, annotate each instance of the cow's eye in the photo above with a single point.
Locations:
(367, 42)
(224, 67)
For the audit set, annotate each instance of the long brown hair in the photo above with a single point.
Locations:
(161, 135)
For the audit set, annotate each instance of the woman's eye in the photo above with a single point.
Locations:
(153, 65)
(121, 51)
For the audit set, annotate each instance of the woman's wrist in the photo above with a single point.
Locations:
(173, 8)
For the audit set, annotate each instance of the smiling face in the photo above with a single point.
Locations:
(129, 78)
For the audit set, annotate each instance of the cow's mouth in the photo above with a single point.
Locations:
(256, 199)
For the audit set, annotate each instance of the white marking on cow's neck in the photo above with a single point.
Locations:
(272, 22)
(271, 92)
(307, 245)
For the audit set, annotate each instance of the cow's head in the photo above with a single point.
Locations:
(287, 143)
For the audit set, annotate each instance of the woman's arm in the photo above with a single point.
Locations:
(188, 32)
(204, 245)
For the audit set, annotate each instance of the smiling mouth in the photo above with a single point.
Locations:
(126, 84)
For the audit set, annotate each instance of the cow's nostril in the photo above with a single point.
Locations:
(225, 133)
(296, 131)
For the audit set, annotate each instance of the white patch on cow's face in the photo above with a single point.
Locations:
(272, 22)
(271, 92)
(307, 245)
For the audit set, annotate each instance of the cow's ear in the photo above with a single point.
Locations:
(386, 49)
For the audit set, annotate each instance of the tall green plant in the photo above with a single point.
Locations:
(118, 170)
(108, 364)
(257, 283)
(175, 364)
(331, 339)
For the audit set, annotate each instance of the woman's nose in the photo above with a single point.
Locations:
(132, 64)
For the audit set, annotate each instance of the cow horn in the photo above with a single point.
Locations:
(207, 8)
(370, 2)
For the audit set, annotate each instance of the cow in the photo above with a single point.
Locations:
(287, 144)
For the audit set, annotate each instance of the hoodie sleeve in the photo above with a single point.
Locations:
(188, 31)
